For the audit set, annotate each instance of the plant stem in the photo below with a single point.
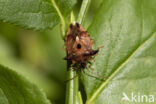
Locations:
(80, 98)
(72, 86)
(72, 19)
(83, 10)
(61, 18)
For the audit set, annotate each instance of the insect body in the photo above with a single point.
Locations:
(79, 46)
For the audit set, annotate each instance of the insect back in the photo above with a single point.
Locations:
(78, 46)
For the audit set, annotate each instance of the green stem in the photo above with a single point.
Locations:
(61, 18)
(72, 19)
(80, 98)
(72, 86)
(83, 10)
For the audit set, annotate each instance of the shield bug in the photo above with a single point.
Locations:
(79, 46)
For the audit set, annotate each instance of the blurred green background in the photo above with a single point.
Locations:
(38, 55)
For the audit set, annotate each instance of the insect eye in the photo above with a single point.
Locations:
(78, 46)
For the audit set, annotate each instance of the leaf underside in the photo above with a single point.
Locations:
(126, 29)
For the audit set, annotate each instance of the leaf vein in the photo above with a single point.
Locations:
(103, 85)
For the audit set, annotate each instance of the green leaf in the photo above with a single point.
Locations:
(14, 89)
(37, 14)
(7, 58)
(66, 6)
(126, 29)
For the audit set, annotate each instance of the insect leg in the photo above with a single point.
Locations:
(93, 76)
(71, 78)
(83, 65)
(66, 58)
(93, 52)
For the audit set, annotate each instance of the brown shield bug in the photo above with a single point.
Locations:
(79, 46)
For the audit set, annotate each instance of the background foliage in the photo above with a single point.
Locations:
(33, 60)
